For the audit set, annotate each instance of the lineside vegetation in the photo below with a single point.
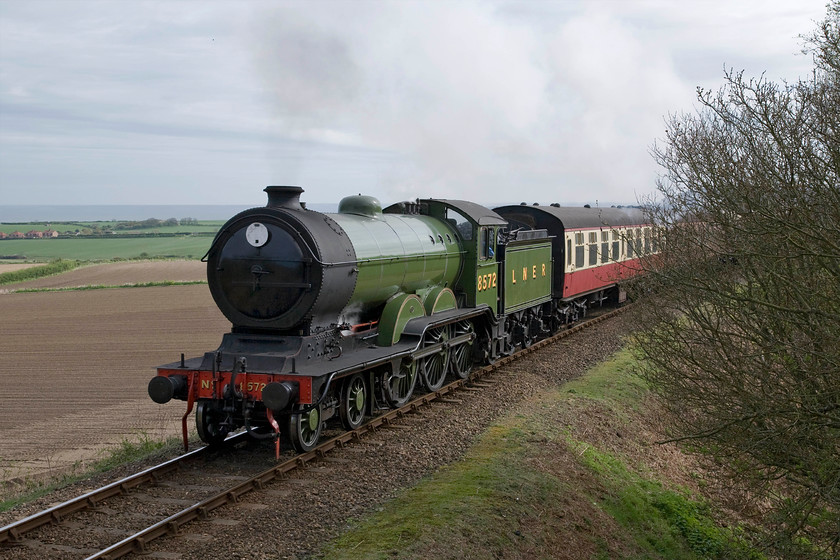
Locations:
(742, 310)
(554, 478)
(126, 452)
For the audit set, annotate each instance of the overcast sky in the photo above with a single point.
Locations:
(202, 102)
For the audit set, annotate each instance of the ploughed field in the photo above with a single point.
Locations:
(117, 274)
(75, 364)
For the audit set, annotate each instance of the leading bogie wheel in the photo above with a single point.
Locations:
(433, 368)
(304, 429)
(353, 402)
(208, 423)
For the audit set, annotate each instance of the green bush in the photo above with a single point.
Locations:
(55, 267)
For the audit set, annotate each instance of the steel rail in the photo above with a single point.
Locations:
(13, 532)
(172, 525)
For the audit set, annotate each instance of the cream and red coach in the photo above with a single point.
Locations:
(594, 250)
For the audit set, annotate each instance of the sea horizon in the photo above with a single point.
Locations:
(47, 213)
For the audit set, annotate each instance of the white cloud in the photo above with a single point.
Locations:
(489, 101)
(478, 102)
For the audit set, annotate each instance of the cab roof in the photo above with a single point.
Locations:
(481, 215)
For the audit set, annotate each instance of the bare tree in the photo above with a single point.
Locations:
(743, 314)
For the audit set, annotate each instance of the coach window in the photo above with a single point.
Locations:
(605, 246)
(593, 248)
(569, 252)
(579, 250)
(488, 240)
(615, 253)
(460, 223)
(647, 241)
(630, 244)
(638, 247)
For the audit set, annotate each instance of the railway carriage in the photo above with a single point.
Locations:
(595, 250)
(341, 315)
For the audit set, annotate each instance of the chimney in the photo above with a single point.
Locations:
(284, 197)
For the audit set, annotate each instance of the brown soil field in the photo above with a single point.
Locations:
(117, 274)
(74, 367)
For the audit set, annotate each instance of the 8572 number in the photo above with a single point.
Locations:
(486, 281)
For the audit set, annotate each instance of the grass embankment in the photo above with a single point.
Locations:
(55, 267)
(564, 477)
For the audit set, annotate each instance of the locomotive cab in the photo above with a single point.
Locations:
(478, 228)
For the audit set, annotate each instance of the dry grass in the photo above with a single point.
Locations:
(13, 267)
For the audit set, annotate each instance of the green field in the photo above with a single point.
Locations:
(103, 249)
(101, 241)
(209, 227)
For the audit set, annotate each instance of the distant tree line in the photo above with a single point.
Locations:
(101, 229)
(129, 225)
(151, 223)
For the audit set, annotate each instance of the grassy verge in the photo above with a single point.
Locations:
(664, 522)
(126, 452)
(55, 267)
(563, 477)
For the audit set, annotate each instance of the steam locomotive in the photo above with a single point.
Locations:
(341, 315)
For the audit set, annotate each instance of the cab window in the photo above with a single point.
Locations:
(460, 223)
(488, 243)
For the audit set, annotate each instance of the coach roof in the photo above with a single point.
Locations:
(578, 217)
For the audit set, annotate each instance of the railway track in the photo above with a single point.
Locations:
(48, 530)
